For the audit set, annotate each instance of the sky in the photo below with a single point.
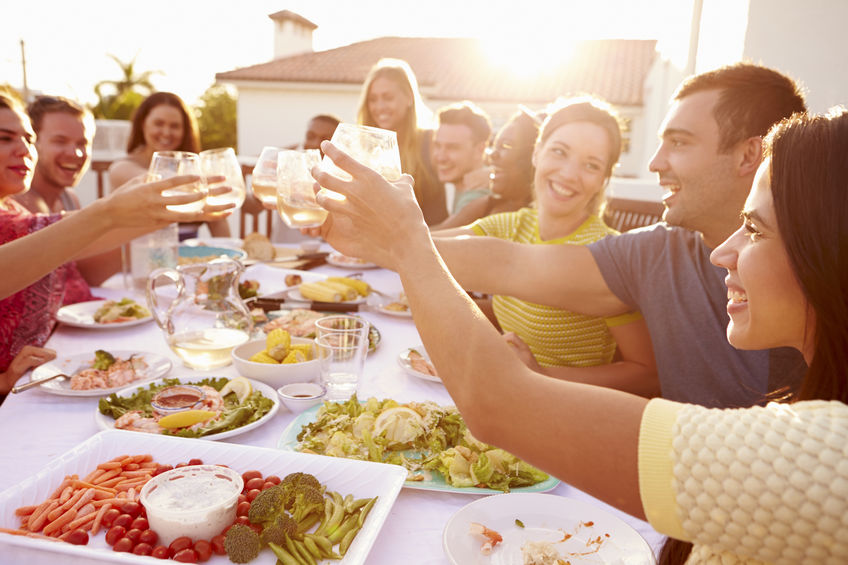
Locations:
(67, 44)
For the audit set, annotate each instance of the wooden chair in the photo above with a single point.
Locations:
(100, 167)
(255, 215)
(625, 214)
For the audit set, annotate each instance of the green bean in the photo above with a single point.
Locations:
(313, 547)
(304, 553)
(349, 523)
(335, 520)
(290, 546)
(283, 555)
(347, 540)
(348, 502)
(322, 542)
(328, 511)
(365, 510)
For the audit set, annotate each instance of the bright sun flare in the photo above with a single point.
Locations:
(530, 56)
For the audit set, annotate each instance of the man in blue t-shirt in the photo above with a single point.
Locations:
(710, 148)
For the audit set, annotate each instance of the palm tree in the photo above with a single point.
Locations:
(128, 93)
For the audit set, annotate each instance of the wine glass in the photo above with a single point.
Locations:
(264, 180)
(295, 193)
(373, 147)
(167, 164)
(223, 162)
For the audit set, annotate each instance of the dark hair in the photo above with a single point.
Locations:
(191, 138)
(467, 114)
(752, 99)
(809, 185)
(329, 118)
(44, 105)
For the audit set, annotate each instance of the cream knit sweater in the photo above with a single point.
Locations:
(756, 485)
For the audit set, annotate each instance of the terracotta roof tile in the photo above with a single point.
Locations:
(456, 68)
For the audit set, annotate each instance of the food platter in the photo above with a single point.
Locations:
(81, 315)
(157, 367)
(192, 253)
(406, 364)
(434, 481)
(379, 304)
(105, 422)
(336, 259)
(226, 242)
(294, 294)
(360, 478)
(546, 518)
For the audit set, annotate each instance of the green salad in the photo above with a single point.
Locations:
(233, 415)
(420, 436)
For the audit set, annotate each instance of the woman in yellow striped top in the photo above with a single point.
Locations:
(578, 146)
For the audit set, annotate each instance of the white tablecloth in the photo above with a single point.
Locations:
(37, 426)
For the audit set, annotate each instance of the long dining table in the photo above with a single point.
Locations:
(37, 426)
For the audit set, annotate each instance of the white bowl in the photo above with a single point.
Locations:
(310, 246)
(275, 375)
(297, 397)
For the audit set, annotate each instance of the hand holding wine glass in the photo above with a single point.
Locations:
(223, 162)
(264, 177)
(167, 164)
(295, 189)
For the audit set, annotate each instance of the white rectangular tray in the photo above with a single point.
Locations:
(360, 478)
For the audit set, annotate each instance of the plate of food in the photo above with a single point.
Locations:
(404, 434)
(212, 407)
(518, 528)
(337, 259)
(226, 242)
(125, 454)
(101, 372)
(416, 363)
(390, 304)
(300, 322)
(104, 314)
(189, 254)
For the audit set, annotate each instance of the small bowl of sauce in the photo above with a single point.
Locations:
(297, 397)
(177, 398)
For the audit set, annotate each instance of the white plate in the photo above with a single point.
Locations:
(228, 242)
(108, 423)
(294, 294)
(545, 517)
(403, 359)
(379, 302)
(336, 259)
(157, 367)
(359, 478)
(81, 315)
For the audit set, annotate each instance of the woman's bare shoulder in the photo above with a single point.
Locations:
(122, 170)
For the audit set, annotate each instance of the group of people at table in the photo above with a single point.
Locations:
(691, 373)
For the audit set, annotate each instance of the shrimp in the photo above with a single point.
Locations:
(420, 363)
(213, 399)
(135, 421)
(491, 537)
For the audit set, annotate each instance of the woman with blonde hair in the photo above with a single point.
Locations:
(390, 100)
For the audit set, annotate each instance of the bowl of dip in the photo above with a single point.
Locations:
(297, 397)
(197, 501)
(177, 398)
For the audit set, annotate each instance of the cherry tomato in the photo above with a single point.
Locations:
(247, 475)
(148, 536)
(143, 549)
(124, 545)
(161, 469)
(242, 497)
(195, 461)
(203, 549)
(218, 545)
(242, 520)
(267, 485)
(272, 479)
(180, 465)
(77, 537)
(124, 520)
(109, 517)
(256, 528)
(134, 534)
(131, 507)
(187, 555)
(114, 534)
(160, 552)
(252, 494)
(254, 483)
(243, 508)
(140, 523)
(179, 544)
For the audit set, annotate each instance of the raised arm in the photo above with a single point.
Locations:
(583, 434)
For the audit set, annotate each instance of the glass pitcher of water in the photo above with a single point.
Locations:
(200, 311)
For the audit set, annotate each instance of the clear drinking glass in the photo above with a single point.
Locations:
(342, 359)
(167, 164)
(342, 323)
(373, 147)
(295, 193)
(223, 162)
(264, 179)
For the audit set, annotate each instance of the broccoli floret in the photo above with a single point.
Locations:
(267, 505)
(296, 479)
(103, 360)
(305, 501)
(242, 543)
(276, 531)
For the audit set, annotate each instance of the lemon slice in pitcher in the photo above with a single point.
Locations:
(239, 385)
(185, 418)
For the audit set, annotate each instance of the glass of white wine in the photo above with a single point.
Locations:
(295, 189)
(167, 164)
(264, 178)
(223, 162)
(373, 147)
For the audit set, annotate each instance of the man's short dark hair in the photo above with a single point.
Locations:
(43, 105)
(468, 114)
(752, 99)
(329, 118)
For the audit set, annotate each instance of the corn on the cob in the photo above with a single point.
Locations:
(263, 357)
(294, 356)
(320, 292)
(277, 344)
(305, 348)
(347, 292)
(361, 287)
